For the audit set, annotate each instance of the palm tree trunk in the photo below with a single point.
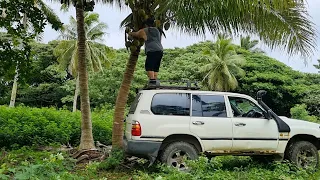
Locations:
(14, 89)
(117, 130)
(76, 94)
(16, 76)
(86, 141)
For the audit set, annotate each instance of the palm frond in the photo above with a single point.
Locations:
(278, 24)
(90, 18)
(126, 21)
(52, 18)
(64, 51)
(97, 32)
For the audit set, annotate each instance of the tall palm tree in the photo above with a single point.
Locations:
(53, 19)
(96, 53)
(86, 140)
(277, 23)
(223, 66)
(248, 44)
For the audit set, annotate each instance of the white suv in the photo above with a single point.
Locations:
(170, 124)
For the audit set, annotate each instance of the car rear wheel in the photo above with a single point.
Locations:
(304, 154)
(176, 153)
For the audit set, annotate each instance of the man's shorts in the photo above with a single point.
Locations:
(153, 61)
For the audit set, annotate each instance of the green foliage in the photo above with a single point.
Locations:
(27, 164)
(228, 167)
(285, 86)
(115, 158)
(223, 66)
(97, 53)
(300, 112)
(248, 44)
(23, 126)
(48, 86)
(15, 48)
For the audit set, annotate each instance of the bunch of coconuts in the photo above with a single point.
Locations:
(133, 43)
(88, 5)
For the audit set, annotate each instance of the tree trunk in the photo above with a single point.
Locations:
(16, 76)
(76, 94)
(14, 89)
(117, 130)
(86, 141)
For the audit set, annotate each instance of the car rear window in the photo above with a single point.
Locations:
(134, 104)
(177, 104)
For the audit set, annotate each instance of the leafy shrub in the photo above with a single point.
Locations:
(24, 126)
(228, 168)
(299, 111)
(50, 166)
(115, 158)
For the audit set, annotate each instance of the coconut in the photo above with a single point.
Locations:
(136, 42)
(133, 48)
(141, 12)
(128, 44)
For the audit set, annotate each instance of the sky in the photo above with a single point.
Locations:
(112, 16)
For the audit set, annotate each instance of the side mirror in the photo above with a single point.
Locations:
(268, 115)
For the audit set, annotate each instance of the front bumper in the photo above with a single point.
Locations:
(143, 149)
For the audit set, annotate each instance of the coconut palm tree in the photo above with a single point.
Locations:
(224, 64)
(56, 23)
(86, 140)
(277, 24)
(96, 53)
(248, 44)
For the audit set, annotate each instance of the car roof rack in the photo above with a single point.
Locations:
(176, 85)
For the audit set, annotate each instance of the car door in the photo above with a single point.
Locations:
(209, 121)
(251, 130)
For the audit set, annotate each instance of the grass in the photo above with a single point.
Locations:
(27, 163)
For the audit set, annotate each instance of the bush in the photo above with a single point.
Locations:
(299, 111)
(27, 164)
(24, 126)
(228, 168)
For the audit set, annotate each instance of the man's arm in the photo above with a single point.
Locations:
(140, 34)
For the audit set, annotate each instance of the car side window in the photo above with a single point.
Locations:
(242, 107)
(134, 104)
(208, 106)
(177, 104)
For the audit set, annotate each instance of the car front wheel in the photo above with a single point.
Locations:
(304, 154)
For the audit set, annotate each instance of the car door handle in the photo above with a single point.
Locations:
(198, 123)
(240, 124)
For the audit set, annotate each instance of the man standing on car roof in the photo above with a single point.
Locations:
(153, 48)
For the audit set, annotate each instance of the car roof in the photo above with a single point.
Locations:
(155, 91)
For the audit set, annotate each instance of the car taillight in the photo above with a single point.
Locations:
(136, 129)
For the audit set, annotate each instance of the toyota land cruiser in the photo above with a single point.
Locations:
(172, 123)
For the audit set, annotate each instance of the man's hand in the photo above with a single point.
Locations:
(140, 34)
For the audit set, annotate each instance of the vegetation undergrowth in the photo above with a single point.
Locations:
(25, 126)
(26, 163)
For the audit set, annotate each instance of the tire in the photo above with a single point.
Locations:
(174, 154)
(304, 155)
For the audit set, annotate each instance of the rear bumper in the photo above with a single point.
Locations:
(143, 149)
